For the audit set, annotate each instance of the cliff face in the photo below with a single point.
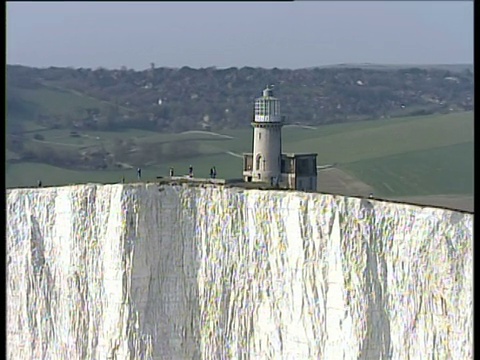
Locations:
(128, 271)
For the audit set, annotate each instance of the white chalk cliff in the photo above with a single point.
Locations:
(134, 272)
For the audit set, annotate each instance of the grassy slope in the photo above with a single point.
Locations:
(394, 137)
(47, 100)
(405, 156)
(442, 170)
(57, 102)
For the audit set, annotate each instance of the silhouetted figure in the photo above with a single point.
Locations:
(190, 171)
(211, 173)
(214, 172)
(171, 171)
(139, 173)
(39, 183)
(123, 179)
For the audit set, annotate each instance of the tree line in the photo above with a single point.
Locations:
(174, 100)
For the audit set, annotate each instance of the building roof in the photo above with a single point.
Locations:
(299, 154)
(290, 154)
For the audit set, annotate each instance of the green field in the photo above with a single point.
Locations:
(442, 170)
(411, 156)
(56, 101)
(371, 139)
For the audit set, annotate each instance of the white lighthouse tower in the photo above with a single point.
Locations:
(267, 164)
(267, 138)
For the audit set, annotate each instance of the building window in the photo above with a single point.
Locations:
(259, 136)
(259, 159)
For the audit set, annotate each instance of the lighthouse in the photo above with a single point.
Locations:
(266, 163)
(267, 138)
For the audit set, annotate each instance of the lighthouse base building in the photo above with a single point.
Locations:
(267, 163)
(298, 171)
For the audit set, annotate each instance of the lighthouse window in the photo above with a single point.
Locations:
(262, 107)
(259, 159)
(259, 136)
